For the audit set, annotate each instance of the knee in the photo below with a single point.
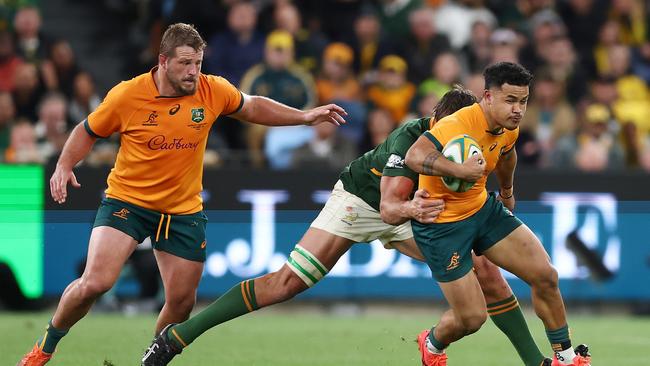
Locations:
(473, 322)
(181, 303)
(91, 287)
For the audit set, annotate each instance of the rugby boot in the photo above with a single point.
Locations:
(35, 357)
(582, 358)
(161, 351)
(428, 358)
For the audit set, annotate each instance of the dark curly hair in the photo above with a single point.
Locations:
(506, 73)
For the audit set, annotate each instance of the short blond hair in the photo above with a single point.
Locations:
(180, 34)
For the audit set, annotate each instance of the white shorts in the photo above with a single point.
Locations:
(348, 216)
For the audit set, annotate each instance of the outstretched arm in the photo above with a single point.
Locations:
(396, 207)
(424, 158)
(265, 111)
(76, 148)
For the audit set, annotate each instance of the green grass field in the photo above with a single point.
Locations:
(270, 338)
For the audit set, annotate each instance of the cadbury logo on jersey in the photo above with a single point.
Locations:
(159, 142)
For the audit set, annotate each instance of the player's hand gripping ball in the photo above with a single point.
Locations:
(459, 149)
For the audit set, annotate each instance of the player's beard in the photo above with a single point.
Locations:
(178, 86)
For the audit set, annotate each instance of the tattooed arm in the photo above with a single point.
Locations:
(424, 158)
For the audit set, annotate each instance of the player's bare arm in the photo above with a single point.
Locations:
(505, 172)
(76, 148)
(396, 207)
(264, 111)
(424, 158)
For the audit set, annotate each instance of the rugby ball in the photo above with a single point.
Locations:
(457, 150)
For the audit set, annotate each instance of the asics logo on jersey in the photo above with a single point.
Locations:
(453, 263)
(151, 121)
(159, 142)
(174, 109)
(121, 213)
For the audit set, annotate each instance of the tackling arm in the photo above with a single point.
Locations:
(265, 111)
(396, 207)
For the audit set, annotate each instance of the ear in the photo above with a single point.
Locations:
(487, 95)
(162, 61)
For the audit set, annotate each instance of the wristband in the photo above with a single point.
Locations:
(507, 189)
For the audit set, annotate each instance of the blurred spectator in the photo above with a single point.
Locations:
(84, 99)
(423, 45)
(564, 66)
(476, 84)
(27, 91)
(392, 91)
(632, 106)
(505, 46)
(456, 18)
(424, 104)
(338, 84)
(641, 62)
(595, 147)
(327, 150)
(446, 72)
(65, 68)
(548, 118)
(51, 127)
(237, 49)
(32, 45)
(22, 145)
(369, 44)
(544, 28)
(337, 81)
(608, 37)
(380, 125)
(230, 54)
(281, 79)
(9, 62)
(631, 17)
(7, 114)
(394, 14)
(309, 44)
(478, 51)
(583, 20)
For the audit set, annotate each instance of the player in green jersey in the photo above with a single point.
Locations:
(375, 198)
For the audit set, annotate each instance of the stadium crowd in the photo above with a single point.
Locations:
(385, 61)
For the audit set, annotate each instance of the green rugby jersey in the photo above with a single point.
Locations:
(361, 177)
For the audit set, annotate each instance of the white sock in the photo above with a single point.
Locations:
(566, 357)
(431, 348)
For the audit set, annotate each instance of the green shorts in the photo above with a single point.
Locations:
(447, 247)
(180, 235)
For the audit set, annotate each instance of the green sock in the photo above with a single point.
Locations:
(238, 301)
(561, 343)
(507, 316)
(47, 343)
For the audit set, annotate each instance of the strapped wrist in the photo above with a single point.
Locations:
(506, 192)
